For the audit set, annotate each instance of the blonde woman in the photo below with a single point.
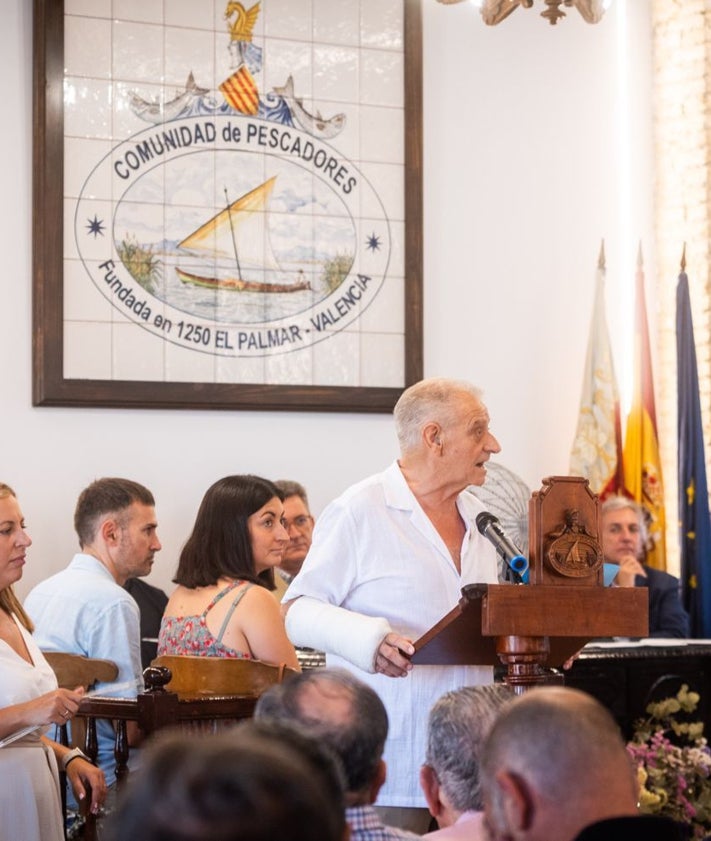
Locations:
(30, 802)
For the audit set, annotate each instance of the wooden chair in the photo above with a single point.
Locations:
(200, 677)
(74, 670)
(202, 694)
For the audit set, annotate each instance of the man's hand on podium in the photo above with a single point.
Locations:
(393, 656)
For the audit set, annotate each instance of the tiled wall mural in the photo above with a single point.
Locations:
(234, 191)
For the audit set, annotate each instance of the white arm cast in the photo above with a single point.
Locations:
(351, 635)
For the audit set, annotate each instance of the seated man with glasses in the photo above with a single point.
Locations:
(300, 525)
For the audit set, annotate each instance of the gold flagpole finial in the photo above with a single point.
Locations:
(601, 257)
(683, 259)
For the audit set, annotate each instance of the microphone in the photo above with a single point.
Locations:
(490, 527)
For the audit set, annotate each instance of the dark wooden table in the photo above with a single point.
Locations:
(626, 676)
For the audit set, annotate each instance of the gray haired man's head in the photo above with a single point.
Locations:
(458, 725)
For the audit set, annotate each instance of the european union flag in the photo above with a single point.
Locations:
(694, 519)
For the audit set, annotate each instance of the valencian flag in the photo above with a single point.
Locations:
(240, 91)
(597, 449)
(694, 521)
(643, 469)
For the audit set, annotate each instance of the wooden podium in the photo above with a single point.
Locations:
(529, 627)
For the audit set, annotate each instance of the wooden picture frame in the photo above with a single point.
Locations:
(52, 388)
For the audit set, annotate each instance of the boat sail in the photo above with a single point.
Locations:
(238, 234)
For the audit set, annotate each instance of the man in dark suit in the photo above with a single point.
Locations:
(151, 603)
(624, 537)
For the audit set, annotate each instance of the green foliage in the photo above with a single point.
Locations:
(141, 263)
(335, 270)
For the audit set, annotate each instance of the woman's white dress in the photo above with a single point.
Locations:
(30, 802)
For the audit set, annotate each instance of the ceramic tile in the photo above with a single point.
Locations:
(284, 59)
(320, 220)
(87, 229)
(137, 354)
(240, 370)
(87, 46)
(347, 142)
(335, 361)
(388, 180)
(336, 22)
(289, 368)
(188, 52)
(87, 351)
(287, 19)
(336, 73)
(88, 8)
(382, 78)
(83, 301)
(120, 317)
(87, 107)
(137, 52)
(254, 23)
(142, 11)
(77, 151)
(386, 314)
(396, 263)
(382, 360)
(381, 24)
(131, 100)
(190, 14)
(382, 134)
(186, 366)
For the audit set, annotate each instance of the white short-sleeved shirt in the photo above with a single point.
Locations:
(376, 552)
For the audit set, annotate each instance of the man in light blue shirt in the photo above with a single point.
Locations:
(84, 609)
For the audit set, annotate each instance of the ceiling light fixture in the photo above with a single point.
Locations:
(494, 11)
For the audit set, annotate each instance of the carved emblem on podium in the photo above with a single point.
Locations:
(573, 551)
(564, 540)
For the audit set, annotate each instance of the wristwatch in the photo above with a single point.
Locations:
(75, 753)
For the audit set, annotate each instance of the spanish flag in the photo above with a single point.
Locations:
(240, 91)
(643, 470)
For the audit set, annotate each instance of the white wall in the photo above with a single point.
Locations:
(522, 178)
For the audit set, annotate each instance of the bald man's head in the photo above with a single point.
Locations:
(555, 762)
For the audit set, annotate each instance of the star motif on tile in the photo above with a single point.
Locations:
(95, 226)
(373, 242)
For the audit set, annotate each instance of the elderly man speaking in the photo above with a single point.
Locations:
(389, 559)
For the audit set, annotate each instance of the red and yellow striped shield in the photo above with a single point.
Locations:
(240, 91)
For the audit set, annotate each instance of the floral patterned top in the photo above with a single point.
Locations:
(190, 634)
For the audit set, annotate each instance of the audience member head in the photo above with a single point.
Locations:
(248, 784)
(342, 712)
(624, 530)
(14, 542)
(298, 523)
(554, 762)
(237, 534)
(442, 425)
(457, 726)
(115, 521)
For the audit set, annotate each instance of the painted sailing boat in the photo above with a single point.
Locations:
(238, 233)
